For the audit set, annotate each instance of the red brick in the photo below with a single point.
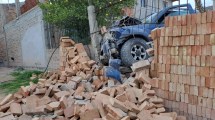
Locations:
(187, 40)
(212, 39)
(209, 103)
(69, 111)
(168, 31)
(166, 21)
(192, 40)
(208, 26)
(205, 71)
(170, 41)
(212, 61)
(203, 61)
(15, 109)
(212, 82)
(197, 40)
(193, 109)
(166, 39)
(212, 72)
(200, 91)
(194, 29)
(200, 101)
(89, 114)
(184, 30)
(198, 81)
(204, 17)
(201, 40)
(198, 61)
(209, 50)
(205, 93)
(199, 29)
(193, 49)
(183, 20)
(213, 16)
(193, 19)
(175, 20)
(210, 93)
(199, 110)
(203, 112)
(204, 29)
(213, 27)
(162, 32)
(198, 18)
(189, 30)
(189, 51)
(203, 81)
(179, 20)
(204, 50)
(171, 21)
(176, 31)
(204, 101)
(190, 107)
(207, 39)
(207, 61)
(209, 16)
(208, 113)
(213, 114)
(207, 82)
(198, 50)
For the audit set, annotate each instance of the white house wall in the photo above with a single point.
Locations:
(152, 6)
(25, 40)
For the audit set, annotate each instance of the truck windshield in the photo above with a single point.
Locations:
(150, 18)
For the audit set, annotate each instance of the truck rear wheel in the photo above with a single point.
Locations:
(134, 50)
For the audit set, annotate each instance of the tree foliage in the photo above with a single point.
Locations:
(73, 13)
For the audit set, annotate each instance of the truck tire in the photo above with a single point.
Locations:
(134, 50)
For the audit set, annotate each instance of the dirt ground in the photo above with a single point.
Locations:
(5, 76)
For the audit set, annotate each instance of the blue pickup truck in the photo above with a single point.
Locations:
(128, 39)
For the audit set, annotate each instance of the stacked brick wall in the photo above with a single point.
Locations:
(184, 65)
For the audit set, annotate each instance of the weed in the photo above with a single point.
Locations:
(22, 78)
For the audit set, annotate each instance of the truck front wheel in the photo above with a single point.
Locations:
(134, 50)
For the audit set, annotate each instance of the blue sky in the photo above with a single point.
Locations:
(208, 2)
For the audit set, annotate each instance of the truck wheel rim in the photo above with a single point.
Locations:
(138, 52)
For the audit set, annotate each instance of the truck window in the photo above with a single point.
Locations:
(174, 12)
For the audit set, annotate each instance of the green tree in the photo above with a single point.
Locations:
(72, 14)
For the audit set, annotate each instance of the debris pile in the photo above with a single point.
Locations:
(79, 90)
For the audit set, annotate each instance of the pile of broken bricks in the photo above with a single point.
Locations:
(80, 91)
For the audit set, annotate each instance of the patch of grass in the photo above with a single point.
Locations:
(22, 78)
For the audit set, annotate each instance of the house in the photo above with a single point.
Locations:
(7, 13)
(25, 38)
(143, 8)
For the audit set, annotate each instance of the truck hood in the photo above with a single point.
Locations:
(120, 32)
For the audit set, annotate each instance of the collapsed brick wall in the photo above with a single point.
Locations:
(185, 65)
